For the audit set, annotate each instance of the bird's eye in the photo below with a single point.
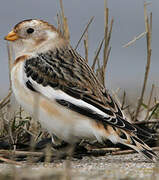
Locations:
(30, 30)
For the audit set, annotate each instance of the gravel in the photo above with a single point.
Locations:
(132, 166)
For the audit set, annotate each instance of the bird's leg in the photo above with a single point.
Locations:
(57, 143)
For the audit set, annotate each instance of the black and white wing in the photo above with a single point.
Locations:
(64, 76)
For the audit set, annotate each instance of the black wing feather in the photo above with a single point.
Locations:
(65, 70)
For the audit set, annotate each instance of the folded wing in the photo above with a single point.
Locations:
(64, 76)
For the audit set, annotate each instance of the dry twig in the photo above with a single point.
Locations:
(107, 36)
(148, 37)
(5, 100)
(123, 100)
(10, 56)
(96, 56)
(130, 151)
(20, 153)
(9, 161)
(146, 122)
(85, 30)
(135, 39)
(86, 46)
(101, 70)
(65, 28)
(149, 102)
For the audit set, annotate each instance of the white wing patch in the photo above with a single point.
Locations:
(53, 94)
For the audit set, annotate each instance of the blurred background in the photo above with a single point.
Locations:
(126, 66)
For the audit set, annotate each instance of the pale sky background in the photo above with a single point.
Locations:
(126, 65)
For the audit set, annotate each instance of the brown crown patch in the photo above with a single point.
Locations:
(41, 22)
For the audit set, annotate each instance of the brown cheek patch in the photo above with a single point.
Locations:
(19, 59)
(39, 41)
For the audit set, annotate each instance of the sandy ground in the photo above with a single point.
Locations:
(132, 166)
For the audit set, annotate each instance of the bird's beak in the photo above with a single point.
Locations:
(12, 36)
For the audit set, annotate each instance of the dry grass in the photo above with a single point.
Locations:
(148, 28)
(101, 69)
(20, 133)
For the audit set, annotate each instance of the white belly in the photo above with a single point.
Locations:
(64, 123)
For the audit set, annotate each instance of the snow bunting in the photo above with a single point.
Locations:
(72, 103)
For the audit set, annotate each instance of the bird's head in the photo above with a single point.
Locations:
(34, 35)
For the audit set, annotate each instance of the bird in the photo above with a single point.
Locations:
(50, 76)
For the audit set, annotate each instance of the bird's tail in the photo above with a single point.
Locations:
(131, 140)
(138, 145)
